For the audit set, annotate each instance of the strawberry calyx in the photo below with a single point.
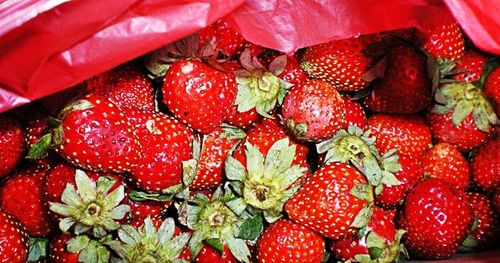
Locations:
(463, 99)
(37, 249)
(266, 183)
(363, 192)
(380, 249)
(88, 249)
(298, 130)
(91, 206)
(149, 244)
(471, 244)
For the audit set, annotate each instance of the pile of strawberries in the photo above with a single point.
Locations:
(213, 149)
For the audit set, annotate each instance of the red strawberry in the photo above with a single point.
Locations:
(11, 144)
(287, 68)
(141, 210)
(486, 166)
(392, 195)
(407, 133)
(354, 114)
(125, 86)
(313, 111)
(492, 88)
(30, 209)
(168, 143)
(198, 95)
(443, 41)
(14, 245)
(462, 116)
(405, 87)
(210, 255)
(340, 62)
(470, 66)
(495, 199)
(437, 218)
(244, 119)
(223, 38)
(58, 252)
(445, 162)
(325, 203)
(35, 130)
(379, 237)
(487, 232)
(287, 242)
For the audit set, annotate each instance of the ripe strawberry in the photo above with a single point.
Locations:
(462, 116)
(491, 88)
(287, 68)
(354, 114)
(495, 199)
(392, 195)
(326, 203)
(198, 95)
(142, 209)
(11, 144)
(437, 218)
(28, 183)
(58, 252)
(340, 62)
(486, 166)
(405, 81)
(243, 120)
(210, 255)
(125, 86)
(379, 242)
(223, 38)
(407, 133)
(313, 111)
(285, 241)
(470, 66)
(445, 162)
(443, 41)
(168, 143)
(14, 245)
(487, 232)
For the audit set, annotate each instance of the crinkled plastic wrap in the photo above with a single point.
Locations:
(47, 46)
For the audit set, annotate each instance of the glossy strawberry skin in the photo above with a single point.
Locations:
(410, 173)
(223, 38)
(324, 203)
(11, 144)
(405, 81)
(208, 254)
(318, 105)
(125, 86)
(464, 137)
(242, 120)
(443, 41)
(437, 218)
(58, 252)
(486, 166)
(141, 210)
(168, 142)
(443, 161)
(288, 242)
(292, 73)
(14, 245)
(487, 232)
(99, 138)
(198, 95)
(22, 197)
(354, 114)
(471, 66)
(492, 85)
(408, 133)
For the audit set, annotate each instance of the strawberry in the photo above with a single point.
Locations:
(445, 162)
(285, 241)
(379, 241)
(495, 200)
(199, 95)
(462, 116)
(28, 183)
(223, 38)
(142, 209)
(491, 88)
(437, 218)
(486, 167)
(14, 245)
(58, 252)
(168, 143)
(243, 120)
(149, 243)
(211, 255)
(340, 62)
(405, 81)
(125, 86)
(11, 144)
(443, 41)
(354, 114)
(330, 202)
(313, 111)
(411, 171)
(486, 233)
(407, 133)
(287, 68)
(470, 66)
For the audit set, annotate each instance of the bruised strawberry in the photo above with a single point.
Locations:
(470, 66)
(437, 219)
(167, 143)
(11, 144)
(22, 197)
(443, 41)
(486, 166)
(405, 87)
(199, 95)
(287, 242)
(354, 114)
(125, 86)
(14, 245)
(223, 38)
(443, 161)
(313, 111)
